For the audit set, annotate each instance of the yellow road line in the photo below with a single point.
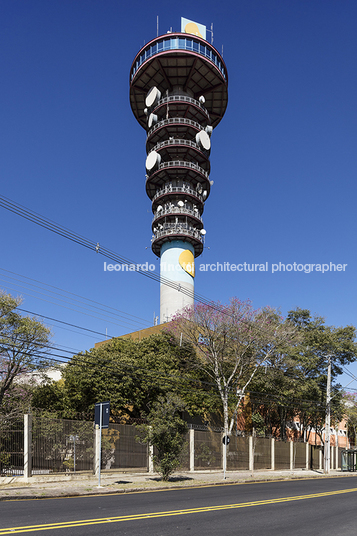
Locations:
(135, 517)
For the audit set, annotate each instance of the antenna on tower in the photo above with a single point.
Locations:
(211, 30)
(157, 26)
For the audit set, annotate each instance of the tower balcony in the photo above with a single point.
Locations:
(170, 192)
(176, 127)
(184, 106)
(172, 172)
(178, 164)
(177, 231)
(181, 211)
(183, 150)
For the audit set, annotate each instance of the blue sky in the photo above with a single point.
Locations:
(283, 159)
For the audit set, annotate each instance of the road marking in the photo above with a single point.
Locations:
(151, 515)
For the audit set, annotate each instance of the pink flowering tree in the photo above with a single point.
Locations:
(24, 346)
(232, 342)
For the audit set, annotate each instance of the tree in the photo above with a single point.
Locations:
(165, 431)
(294, 385)
(232, 342)
(131, 374)
(350, 412)
(22, 343)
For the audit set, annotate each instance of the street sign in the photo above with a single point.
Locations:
(104, 418)
(225, 440)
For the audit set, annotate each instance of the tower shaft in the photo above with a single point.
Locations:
(178, 93)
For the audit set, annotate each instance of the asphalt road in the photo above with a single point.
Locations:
(301, 507)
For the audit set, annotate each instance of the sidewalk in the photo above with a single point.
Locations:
(79, 484)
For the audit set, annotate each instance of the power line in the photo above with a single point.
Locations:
(62, 322)
(124, 314)
(95, 246)
(89, 244)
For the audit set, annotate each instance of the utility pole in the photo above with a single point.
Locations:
(327, 449)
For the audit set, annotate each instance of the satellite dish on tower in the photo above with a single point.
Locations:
(180, 203)
(203, 140)
(202, 100)
(153, 97)
(199, 188)
(153, 119)
(153, 161)
(203, 232)
(209, 130)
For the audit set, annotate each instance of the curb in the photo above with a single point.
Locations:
(140, 489)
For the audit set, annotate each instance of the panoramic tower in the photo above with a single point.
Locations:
(178, 94)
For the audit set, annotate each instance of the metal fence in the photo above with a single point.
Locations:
(238, 453)
(121, 450)
(12, 448)
(61, 445)
(282, 455)
(315, 457)
(299, 455)
(208, 450)
(262, 452)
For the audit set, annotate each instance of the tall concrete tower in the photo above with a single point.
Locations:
(178, 94)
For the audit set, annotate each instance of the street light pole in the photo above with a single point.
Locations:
(327, 449)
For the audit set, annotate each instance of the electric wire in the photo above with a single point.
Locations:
(95, 246)
(66, 233)
(106, 308)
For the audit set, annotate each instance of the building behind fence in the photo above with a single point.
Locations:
(41, 445)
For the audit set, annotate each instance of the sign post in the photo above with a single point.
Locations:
(225, 441)
(101, 420)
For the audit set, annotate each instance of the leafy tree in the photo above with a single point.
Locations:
(232, 342)
(294, 384)
(131, 374)
(22, 343)
(350, 411)
(165, 431)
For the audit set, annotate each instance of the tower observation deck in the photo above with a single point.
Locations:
(178, 94)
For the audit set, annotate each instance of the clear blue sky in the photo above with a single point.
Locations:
(283, 159)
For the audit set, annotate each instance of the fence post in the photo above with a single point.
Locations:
(251, 453)
(192, 449)
(332, 457)
(291, 455)
(337, 459)
(272, 454)
(27, 446)
(320, 459)
(96, 449)
(307, 455)
(151, 458)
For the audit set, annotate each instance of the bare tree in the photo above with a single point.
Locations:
(233, 341)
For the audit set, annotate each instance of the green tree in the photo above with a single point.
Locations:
(294, 384)
(132, 375)
(24, 344)
(165, 431)
(350, 412)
